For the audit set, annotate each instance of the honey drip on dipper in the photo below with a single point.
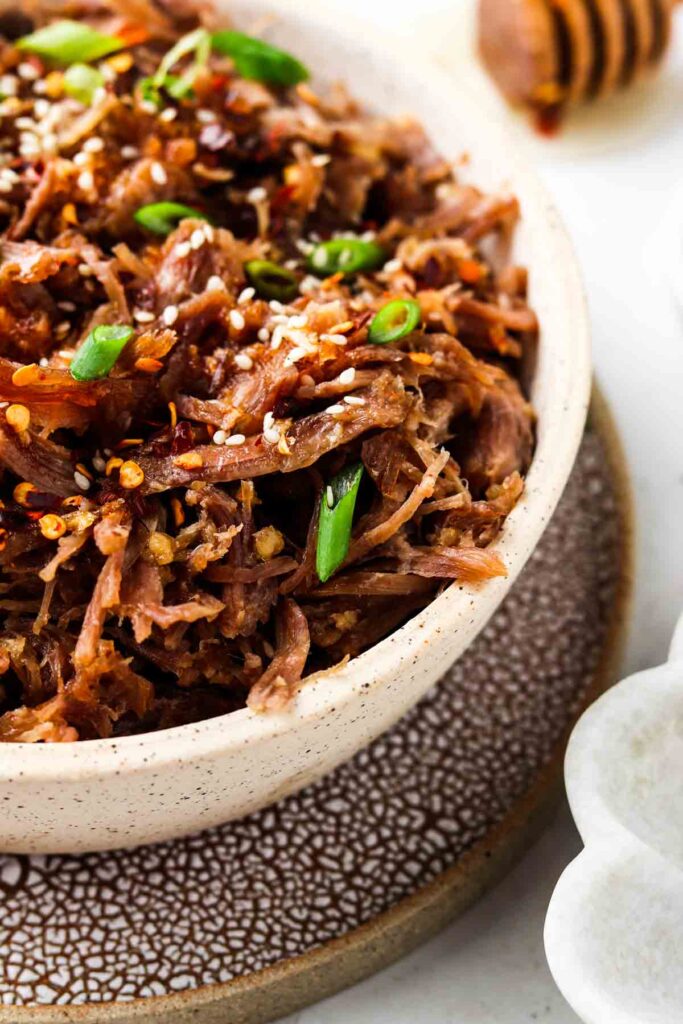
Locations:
(549, 55)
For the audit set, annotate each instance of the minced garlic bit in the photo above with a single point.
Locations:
(131, 475)
(113, 463)
(189, 460)
(18, 417)
(161, 548)
(52, 526)
(268, 543)
(26, 375)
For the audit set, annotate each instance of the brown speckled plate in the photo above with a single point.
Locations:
(259, 917)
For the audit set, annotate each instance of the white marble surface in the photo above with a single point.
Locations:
(617, 176)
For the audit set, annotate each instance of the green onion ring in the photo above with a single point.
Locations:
(271, 281)
(344, 255)
(337, 506)
(394, 321)
(162, 218)
(68, 42)
(82, 82)
(258, 60)
(100, 350)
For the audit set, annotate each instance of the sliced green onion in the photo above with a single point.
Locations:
(336, 519)
(162, 218)
(258, 60)
(394, 321)
(67, 42)
(345, 256)
(198, 43)
(82, 82)
(100, 350)
(271, 281)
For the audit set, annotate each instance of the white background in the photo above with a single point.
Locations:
(617, 175)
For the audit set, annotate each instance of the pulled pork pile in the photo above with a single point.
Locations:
(159, 520)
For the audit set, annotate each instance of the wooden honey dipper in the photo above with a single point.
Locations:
(548, 55)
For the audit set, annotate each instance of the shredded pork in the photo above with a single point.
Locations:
(158, 525)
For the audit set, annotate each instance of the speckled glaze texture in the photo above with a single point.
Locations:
(105, 794)
(158, 921)
(613, 931)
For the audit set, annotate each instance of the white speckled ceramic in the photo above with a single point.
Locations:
(109, 793)
(613, 930)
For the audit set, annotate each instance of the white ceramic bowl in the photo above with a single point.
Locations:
(108, 793)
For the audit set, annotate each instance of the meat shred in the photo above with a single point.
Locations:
(158, 525)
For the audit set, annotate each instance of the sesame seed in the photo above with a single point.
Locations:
(295, 355)
(143, 316)
(84, 270)
(209, 233)
(81, 159)
(246, 295)
(168, 115)
(8, 85)
(5, 186)
(235, 440)
(148, 107)
(68, 307)
(277, 337)
(130, 152)
(219, 437)
(236, 319)
(63, 328)
(329, 494)
(335, 410)
(257, 195)
(320, 159)
(303, 246)
(392, 266)
(9, 175)
(81, 481)
(354, 400)
(40, 87)
(26, 123)
(197, 238)
(94, 144)
(298, 321)
(44, 361)
(183, 249)
(86, 181)
(243, 361)
(276, 306)
(347, 376)
(50, 143)
(205, 116)
(158, 173)
(263, 335)
(99, 95)
(170, 315)
(215, 283)
(272, 435)
(268, 420)
(28, 72)
(291, 264)
(41, 108)
(64, 353)
(99, 464)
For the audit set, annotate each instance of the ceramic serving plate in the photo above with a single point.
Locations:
(109, 793)
(613, 928)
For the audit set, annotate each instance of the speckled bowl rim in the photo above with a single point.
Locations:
(552, 464)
